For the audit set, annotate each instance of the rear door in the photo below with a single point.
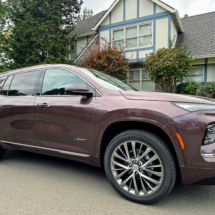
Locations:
(16, 108)
(64, 124)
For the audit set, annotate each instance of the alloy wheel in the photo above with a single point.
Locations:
(137, 168)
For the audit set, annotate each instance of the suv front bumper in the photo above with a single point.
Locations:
(192, 175)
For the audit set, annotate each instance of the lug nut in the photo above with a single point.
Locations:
(136, 173)
(130, 165)
(134, 162)
(140, 170)
(139, 164)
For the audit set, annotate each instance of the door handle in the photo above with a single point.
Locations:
(44, 105)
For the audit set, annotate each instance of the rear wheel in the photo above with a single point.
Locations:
(140, 166)
(1, 151)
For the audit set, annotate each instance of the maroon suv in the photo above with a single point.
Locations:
(143, 140)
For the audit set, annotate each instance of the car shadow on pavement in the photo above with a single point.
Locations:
(69, 170)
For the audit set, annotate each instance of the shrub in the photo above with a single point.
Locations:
(109, 59)
(167, 66)
(206, 89)
(189, 87)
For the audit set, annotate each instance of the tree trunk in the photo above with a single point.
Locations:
(174, 85)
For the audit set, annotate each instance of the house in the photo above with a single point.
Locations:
(146, 26)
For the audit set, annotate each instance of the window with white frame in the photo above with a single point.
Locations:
(131, 37)
(118, 38)
(135, 36)
(71, 56)
(195, 75)
(140, 80)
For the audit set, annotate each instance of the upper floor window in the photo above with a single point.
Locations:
(136, 36)
(56, 80)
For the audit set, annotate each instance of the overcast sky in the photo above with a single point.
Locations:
(190, 7)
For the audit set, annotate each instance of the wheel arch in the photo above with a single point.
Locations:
(114, 126)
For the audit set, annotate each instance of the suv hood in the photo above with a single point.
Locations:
(168, 97)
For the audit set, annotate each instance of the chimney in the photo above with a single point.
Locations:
(186, 15)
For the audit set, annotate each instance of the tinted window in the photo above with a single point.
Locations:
(23, 84)
(2, 80)
(6, 85)
(56, 80)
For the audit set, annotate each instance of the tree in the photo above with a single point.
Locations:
(37, 32)
(109, 59)
(87, 13)
(168, 66)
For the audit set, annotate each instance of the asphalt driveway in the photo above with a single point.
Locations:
(36, 184)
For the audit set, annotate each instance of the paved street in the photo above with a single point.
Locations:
(36, 184)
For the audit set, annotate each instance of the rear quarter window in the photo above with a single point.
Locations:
(24, 84)
(2, 81)
(6, 85)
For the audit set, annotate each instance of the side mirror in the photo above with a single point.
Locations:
(78, 90)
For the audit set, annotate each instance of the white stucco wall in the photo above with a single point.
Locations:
(199, 61)
(131, 55)
(106, 21)
(211, 72)
(211, 60)
(117, 13)
(142, 54)
(161, 34)
(130, 9)
(146, 7)
(81, 43)
(159, 9)
(106, 36)
(174, 32)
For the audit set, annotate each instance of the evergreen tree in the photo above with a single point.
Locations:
(37, 31)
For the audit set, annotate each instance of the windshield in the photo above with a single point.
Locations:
(107, 81)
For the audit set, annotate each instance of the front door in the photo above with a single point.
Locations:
(63, 123)
(16, 109)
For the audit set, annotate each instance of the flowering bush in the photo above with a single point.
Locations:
(109, 59)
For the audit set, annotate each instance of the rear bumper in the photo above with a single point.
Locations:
(190, 175)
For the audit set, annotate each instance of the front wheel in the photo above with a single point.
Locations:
(140, 166)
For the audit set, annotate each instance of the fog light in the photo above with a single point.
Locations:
(210, 135)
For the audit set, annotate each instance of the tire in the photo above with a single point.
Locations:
(1, 151)
(148, 178)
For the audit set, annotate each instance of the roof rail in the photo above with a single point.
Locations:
(26, 68)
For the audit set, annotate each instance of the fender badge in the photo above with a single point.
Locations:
(78, 139)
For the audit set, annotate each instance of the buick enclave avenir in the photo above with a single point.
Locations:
(144, 140)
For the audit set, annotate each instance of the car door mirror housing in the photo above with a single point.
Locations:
(76, 89)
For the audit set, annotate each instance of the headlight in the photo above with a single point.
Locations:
(210, 135)
(192, 107)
